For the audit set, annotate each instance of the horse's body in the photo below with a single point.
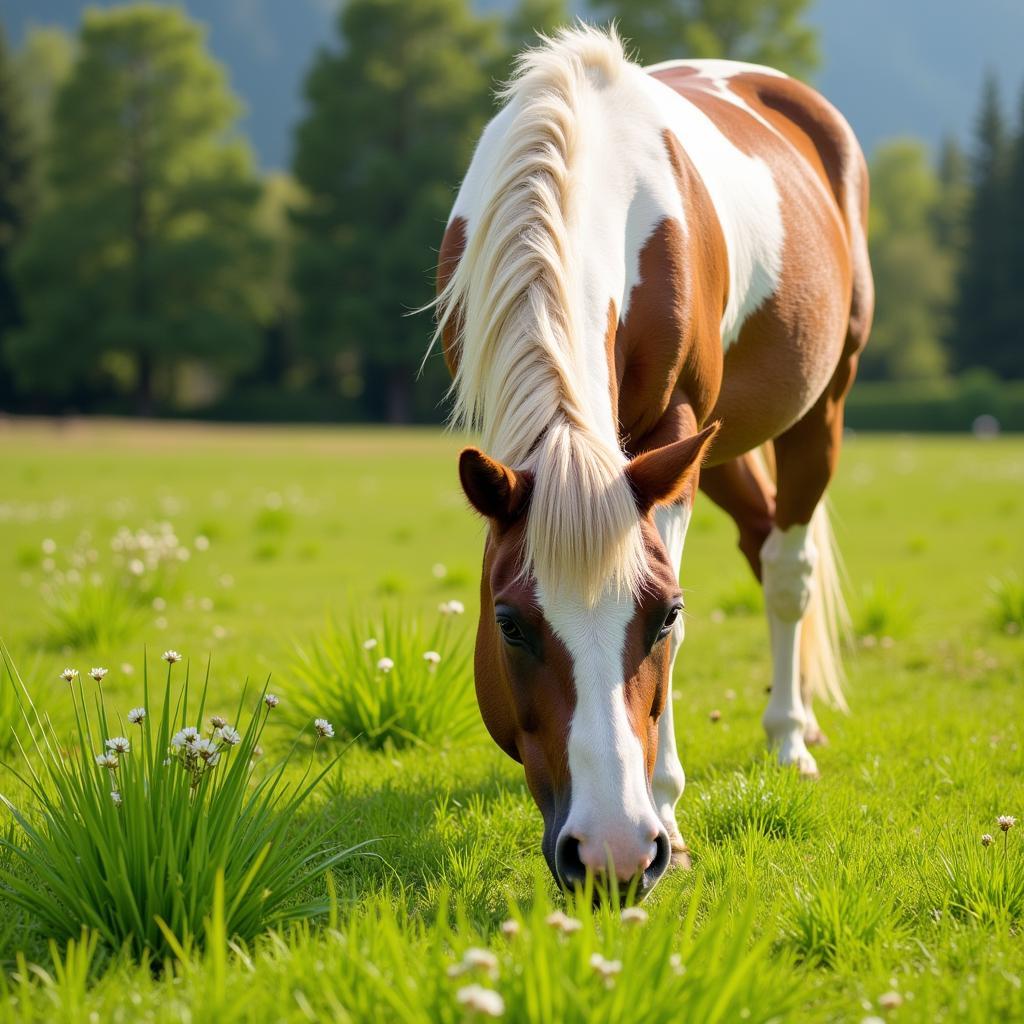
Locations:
(634, 254)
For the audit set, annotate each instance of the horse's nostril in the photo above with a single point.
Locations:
(658, 866)
(568, 864)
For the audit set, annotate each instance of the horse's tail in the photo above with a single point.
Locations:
(826, 622)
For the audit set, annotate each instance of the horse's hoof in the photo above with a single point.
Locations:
(680, 854)
(796, 755)
(815, 738)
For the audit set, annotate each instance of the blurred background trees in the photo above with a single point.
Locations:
(145, 264)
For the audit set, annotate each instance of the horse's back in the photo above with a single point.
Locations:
(787, 350)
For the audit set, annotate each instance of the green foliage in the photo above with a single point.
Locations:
(138, 824)
(146, 255)
(90, 614)
(393, 117)
(912, 270)
(881, 612)
(388, 682)
(743, 598)
(771, 32)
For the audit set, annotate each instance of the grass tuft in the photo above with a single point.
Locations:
(389, 682)
(882, 612)
(776, 804)
(135, 821)
(1006, 600)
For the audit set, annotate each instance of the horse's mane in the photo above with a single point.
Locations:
(515, 294)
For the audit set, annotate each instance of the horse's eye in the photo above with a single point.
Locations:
(510, 630)
(670, 621)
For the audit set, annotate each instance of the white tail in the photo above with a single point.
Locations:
(826, 622)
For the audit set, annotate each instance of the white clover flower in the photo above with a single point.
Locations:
(185, 737)
(69, 675)
(563, 923)
(478, 999)
(634, 915)
(606, 968)
(455, 607)
(271, 700)
(323, 728)
(511, 927)
(118, 744)
(218, 721)
(480, 959)
(207, 750)
(368, 645)
(1006, 822)
(116, 797)
(108, 760)
(890, 1000)
(432, 658)
(385, 665)
(230, 735)
(136, 715)
(98, 673)
(171, 657)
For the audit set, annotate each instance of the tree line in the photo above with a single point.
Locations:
(146, 265)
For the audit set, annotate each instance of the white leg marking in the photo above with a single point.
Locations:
(669, 778)
(787, 562)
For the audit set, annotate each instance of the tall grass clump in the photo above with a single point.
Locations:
(133, 820)
(1006, 600)
(775, 804)
(981, 879)
(881, 613)
(389, 682)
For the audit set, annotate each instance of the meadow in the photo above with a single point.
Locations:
(865, 895)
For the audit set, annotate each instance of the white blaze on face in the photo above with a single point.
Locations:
(611, 813)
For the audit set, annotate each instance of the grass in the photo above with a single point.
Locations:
(807, 902)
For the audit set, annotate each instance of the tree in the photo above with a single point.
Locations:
(16, 193)
(1008, 359)
(531, 19)
(978, 333)
(147, 255)
(912, 270)
(393, 116)
(761, 31)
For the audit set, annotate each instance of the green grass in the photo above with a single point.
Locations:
(807, 902)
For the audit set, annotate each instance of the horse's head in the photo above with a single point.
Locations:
(572, 685)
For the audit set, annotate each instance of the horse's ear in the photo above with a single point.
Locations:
(662, 475)
(493, 489)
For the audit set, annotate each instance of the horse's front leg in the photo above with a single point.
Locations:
(669, 779)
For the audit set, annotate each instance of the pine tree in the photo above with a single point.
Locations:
(1009, 359)
(983, 276)
(16, 197)
(393, 116)
(146, 254)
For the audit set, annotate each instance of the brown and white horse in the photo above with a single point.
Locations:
(635, 254)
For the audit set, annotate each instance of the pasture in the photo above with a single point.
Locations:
(867, 894)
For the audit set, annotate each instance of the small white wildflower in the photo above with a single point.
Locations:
(171, 657)
(456, 607)
(160, 622)
(563, 923)
(890, 1000)
(323, 728)
(136, 567)
(385, 665)
(987, 840)
(159, 604)
(207, 750)
(675, 961)
(439, 570)
(185, 737)
(201, 543)
(478, 999)
(368, 645)
(634, 915)
(230, 736)
(271, 700)
(136, 715)
(49, 546)
(257, 751)
(218, 721)
(107, 760)
(116, 797)
(1006, 822)
(118, 744)
(127, 668)
(98, 673)
(69, 675)
(432, 658)
(206, 604)
(483, 959)
(606, 968)
(511, 927)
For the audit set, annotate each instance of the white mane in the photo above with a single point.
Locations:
(516, 295)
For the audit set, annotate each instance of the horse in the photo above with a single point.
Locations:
(652, 280)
